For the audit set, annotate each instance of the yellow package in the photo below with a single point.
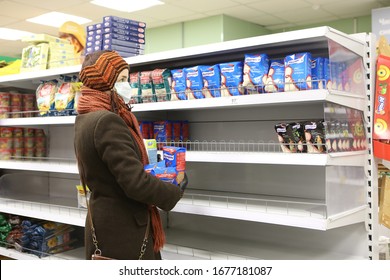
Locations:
(64, 97)
(81, 198)
(45, 97)
(35, 57)
(384, 203)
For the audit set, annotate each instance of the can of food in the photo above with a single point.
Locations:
(15, 99)
(17, 132)
(5, 153)
(16, 112)
(40, 152)
(28, 152)
(18, 142)
(40, 142)
(28, 132)
(4, 113)
(28, 142)
(6, 143)
(6, 131)
(4, 99)
(17, 153)
(28, 101)
(39, 132)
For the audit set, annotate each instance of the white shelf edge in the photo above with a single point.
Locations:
(386, 163)
(341, 159)
(74, 254)
(42, 166)
(63, 120)
(57, 213)
(350, 217)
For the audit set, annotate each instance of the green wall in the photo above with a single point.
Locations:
(224, 28)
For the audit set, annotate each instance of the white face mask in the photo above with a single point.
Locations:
(124, 90)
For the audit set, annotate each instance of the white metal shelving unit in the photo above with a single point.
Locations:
(240, 204)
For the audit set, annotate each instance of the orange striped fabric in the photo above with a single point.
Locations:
(103, 74)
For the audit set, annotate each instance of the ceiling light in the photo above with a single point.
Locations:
(56, 19)
(13, 34)
(127, 6)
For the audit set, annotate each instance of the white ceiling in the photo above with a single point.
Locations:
(271, 14)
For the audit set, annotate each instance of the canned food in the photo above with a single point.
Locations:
(5, 153)
(40, 142)
(6, 131)
(40, 152)
(17, 132)
(4, 99)
(28, 132)
(18, 142)
(28, 102)
(4, 113)
(17, 152)
(28, 142)
(16, 99)
(39, 132)
(28, 152)
(6, 143)
(16, 112)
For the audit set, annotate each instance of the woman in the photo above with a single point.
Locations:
(111, 158)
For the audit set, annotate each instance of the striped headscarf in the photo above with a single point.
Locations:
(102, 74)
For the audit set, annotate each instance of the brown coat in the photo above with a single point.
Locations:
(121, 189)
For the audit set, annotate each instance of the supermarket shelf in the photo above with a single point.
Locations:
(386, 163)
(254, 100)
(63, 120)
(60, 210)
(342, 159)
(45, 165)
(221, 246)
(272, 210)
(75, 254)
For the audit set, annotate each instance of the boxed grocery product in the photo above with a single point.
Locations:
(124, 37)
(133, 37)
(315, 136)
(211, 80)
(109, 40)
(327, 77)
(384, 203)
(175, 157)
(297, 72)
(123, 49)
(146, 84)
(274, 80)
(255, 72)
(124, 21)
(162, 131)
(146, 128)
(194, 82)
(151, 149)
(35, 57)
(178, 86)
(381, 133)
(291, 137)
(231, 78)
(134, 80)
(161, 80)
(317, 72)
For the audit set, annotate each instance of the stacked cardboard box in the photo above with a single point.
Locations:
(125, 36)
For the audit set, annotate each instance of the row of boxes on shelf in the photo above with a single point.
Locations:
(14, 104)
(22, 142)
(165, 131)
(38, 237)
(321, 136)
(46, 52)
(126, 36)
(256, 74)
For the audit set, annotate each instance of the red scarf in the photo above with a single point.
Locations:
(93, 100)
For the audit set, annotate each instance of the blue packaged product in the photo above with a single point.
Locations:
(130, 35)
(194, 82)
(211, 80)
(124, 26)
(124, 21)
(231, 78)
(123, 37)
(255, 72)
(328, 81)
(111, 41)
(122, 49)
(297, 72)
(178, 85)
(317, 73)
(275, 78)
